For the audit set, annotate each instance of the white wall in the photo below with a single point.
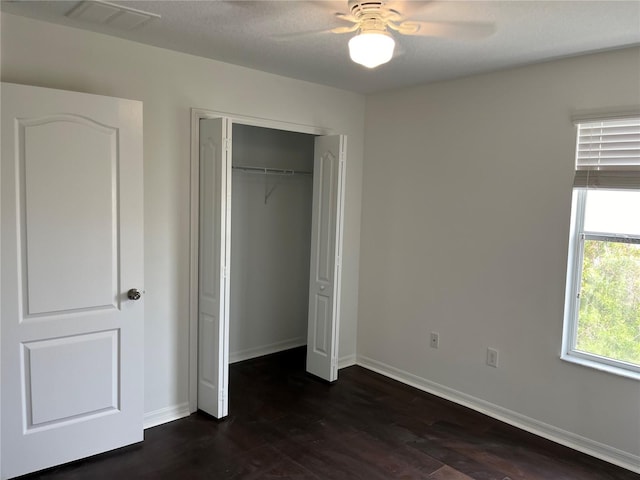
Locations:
(270, 242)
(169, 84)
(466, 205)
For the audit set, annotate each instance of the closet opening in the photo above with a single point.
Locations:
(271, 209)
(267, 229)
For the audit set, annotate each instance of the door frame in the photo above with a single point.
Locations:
(198, 114)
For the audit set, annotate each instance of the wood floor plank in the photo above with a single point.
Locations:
(448, 473)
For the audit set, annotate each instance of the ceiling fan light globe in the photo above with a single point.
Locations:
(371, 49)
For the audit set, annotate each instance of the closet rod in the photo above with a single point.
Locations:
(270, 171)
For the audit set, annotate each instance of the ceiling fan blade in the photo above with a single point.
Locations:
(352, 28)
(346, 17)
(326, 5)
(461, 30)
(409, 8)
(295, 35)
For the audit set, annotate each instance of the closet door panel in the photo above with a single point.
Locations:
(213, 295)
(326, 251)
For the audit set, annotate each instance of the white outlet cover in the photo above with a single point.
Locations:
(492, 357)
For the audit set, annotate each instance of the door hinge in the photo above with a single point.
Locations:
(223, 395)
(227, 144)
(225, 272)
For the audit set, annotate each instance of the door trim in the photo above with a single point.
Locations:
(194, 219)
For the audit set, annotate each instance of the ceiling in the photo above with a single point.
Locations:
(256, 34)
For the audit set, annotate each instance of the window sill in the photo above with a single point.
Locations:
(603, 367)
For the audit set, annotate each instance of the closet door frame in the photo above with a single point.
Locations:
(198, 114)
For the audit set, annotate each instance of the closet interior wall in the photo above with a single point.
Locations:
(270, 241)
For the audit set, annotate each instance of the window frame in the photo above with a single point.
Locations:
(572, 298)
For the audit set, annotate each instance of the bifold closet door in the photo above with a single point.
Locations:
(214, 255)
(214, 261)
(326, 256)
(72, 306)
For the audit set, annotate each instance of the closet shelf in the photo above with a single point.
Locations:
(270, 171)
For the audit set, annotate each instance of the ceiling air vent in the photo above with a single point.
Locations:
(118, 16)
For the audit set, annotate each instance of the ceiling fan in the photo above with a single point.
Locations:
(374, 20)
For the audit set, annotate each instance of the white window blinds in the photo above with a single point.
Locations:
(608, 154)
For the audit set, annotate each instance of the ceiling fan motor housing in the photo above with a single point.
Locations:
(371, 15)
(358, 8)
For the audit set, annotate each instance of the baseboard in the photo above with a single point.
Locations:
(164, 415)
(266, 349)
(555, 434)
(346, 361)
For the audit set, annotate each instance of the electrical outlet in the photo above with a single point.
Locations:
(492, 357)
(435, 340)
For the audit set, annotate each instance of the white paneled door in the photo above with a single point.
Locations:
(214, 254)
(72, 276)
(326, 256)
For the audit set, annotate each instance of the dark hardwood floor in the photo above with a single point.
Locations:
(284, 424)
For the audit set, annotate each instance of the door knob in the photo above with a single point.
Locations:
(133, 294)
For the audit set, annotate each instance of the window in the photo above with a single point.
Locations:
(602, 303)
